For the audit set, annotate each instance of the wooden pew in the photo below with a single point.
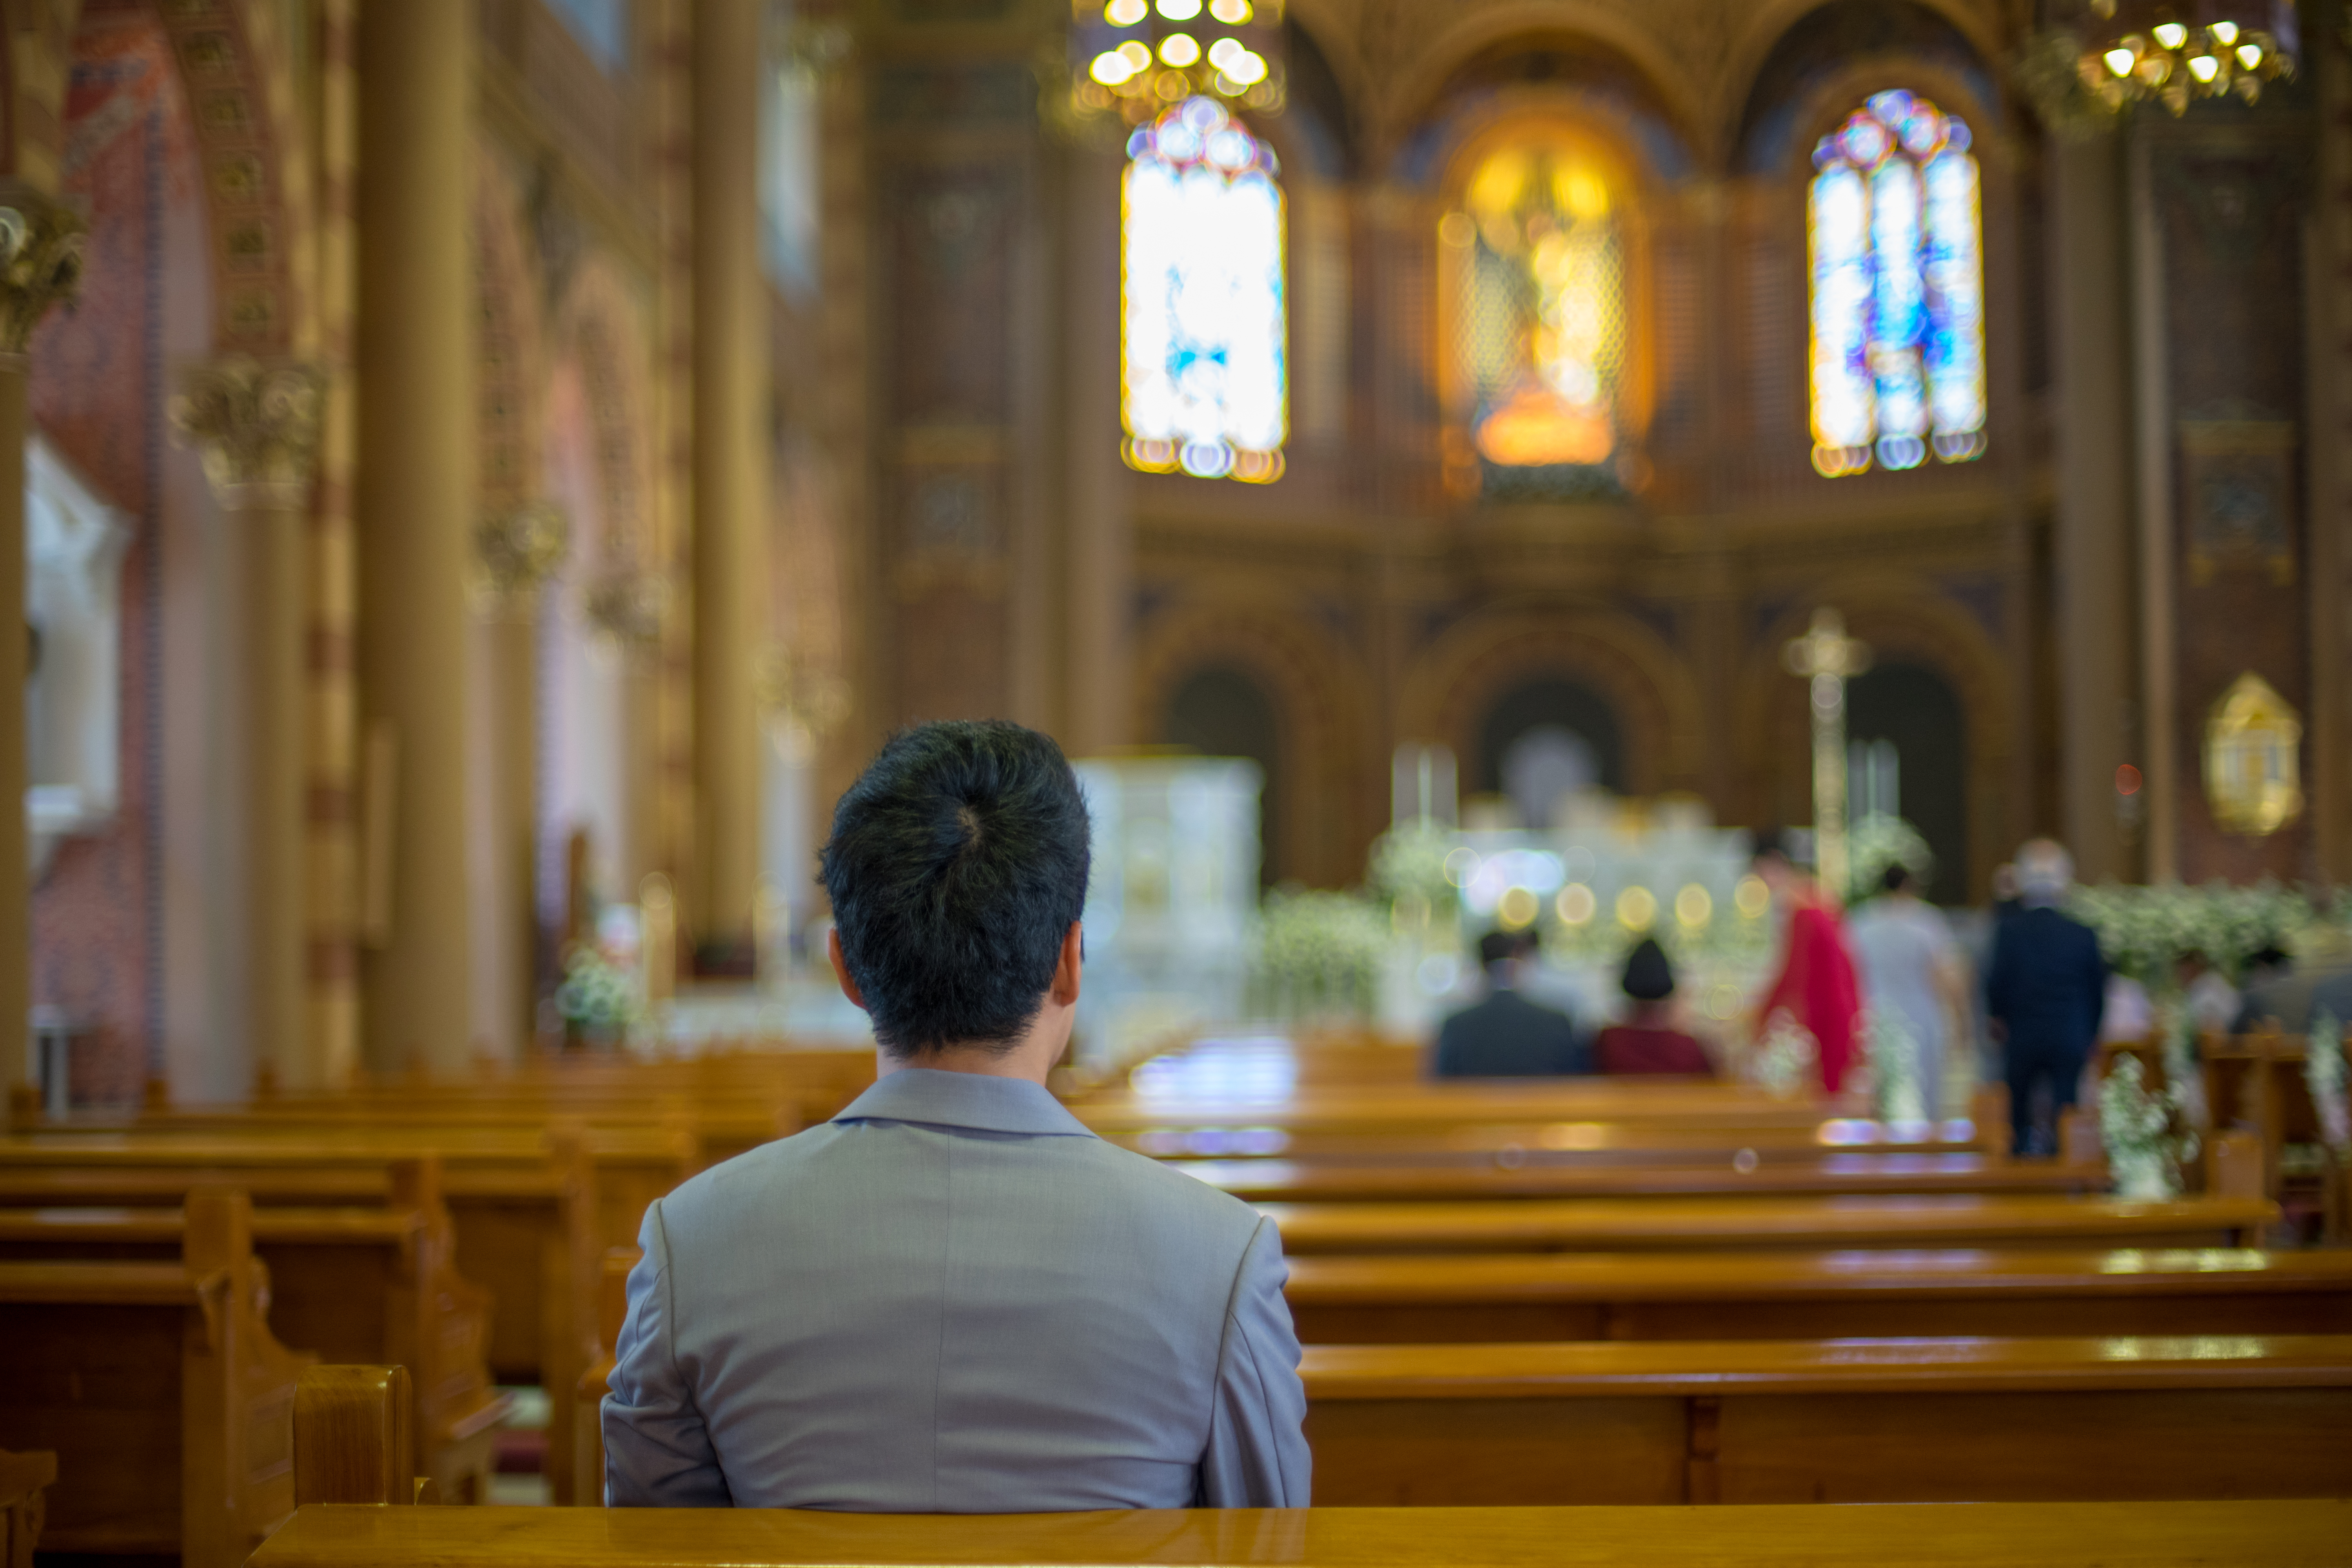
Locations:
(24, 1480)
(1810, 1224)
(1419, 1108)
(1932, 1420)
(1512, 1144)
(612, 1309)
(1740, 1175)
(2282, 1534)
(376, 1284)
(525, 1229)
(1817, 1295)
(162, 1392)
(353, 1439)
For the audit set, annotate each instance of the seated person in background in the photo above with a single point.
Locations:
(1506, 1036)
(953, 1298)
(1651, 1040)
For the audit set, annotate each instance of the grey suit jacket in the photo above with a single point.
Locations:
(954, 1298)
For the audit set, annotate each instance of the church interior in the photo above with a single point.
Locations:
(1482, 491)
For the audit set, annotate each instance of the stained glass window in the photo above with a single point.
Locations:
(1898, 290)
(1203, 383)
(1541, 340)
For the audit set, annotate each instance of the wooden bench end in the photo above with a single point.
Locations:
(354, 1436)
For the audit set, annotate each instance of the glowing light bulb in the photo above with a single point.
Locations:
(2204, 67)
(2120, 61)
(1136, 53)
(2250, 55)
(1247, 68)
(1180, 10)
(1125, 13)
(1111, 68)
(2171, 35)
(1231, 13)
(1178, 50)
(2224, 33)
(1222, 52)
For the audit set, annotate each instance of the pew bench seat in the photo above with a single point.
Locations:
(1894, 1420)
(2027, 1535)
(1861, 1220)
(1522, 1297)
(1740, 1173)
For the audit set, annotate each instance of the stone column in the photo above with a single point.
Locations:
(256, 425)
(730, 463)
(2091, 356)
(416, 496)
(40, 264)
(516, 554)
(1101, 569)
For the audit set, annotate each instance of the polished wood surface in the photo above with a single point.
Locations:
(354, 1437)
(161, 1390)
(2146, 1535)
(24, 1481)
(1513, 1143)
(1794, 1295)
(1575, 1224)
(1921, 1420)
(1286, 1181)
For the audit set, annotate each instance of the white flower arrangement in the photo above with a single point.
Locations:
(597, 993)
(1876, 842)
(2144, 1151)
(1409, 862)
(2323, 1074)
(1892, 1052)
(2177, 1032)
(2143, 930)
(1783, 1060)
(1318, 954)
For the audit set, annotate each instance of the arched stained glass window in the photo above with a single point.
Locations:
(1537, 256)
(1203, 352)
(1897, 290)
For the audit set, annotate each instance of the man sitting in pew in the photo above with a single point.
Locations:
(953, 1298)
(1505, 1034)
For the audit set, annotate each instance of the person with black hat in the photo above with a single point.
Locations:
(1649, 1041)
(1507, 1036)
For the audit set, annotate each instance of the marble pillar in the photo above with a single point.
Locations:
(416, 496)
(255, 424)
(730, 464)
(40, 263)
(2090, 361)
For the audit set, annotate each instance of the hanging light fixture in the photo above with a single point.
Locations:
(2175, 53)
(1136, 58)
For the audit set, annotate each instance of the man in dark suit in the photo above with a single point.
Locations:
(2045, 990)
(1506, 1036)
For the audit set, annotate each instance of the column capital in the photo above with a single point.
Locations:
(516, 551)
(40, 262)
(630, 608)
(255, 424)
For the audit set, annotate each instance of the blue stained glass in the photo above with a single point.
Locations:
(1203, 311)
(1894, 225)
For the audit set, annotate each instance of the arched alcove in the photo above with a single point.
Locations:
(1912, 707)
(1544, 737)
(1222, 711)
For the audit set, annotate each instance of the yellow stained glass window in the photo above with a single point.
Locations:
(1538, 255)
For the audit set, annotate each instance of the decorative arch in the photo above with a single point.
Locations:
(258, 180)
(1784, 90)
(1903, 618)
(510, 374)
(1450, 689)
(1319, 701)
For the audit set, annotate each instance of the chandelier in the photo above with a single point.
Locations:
(2134, 50)
(1137, 58)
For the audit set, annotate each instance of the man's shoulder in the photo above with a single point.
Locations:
(807, 1166)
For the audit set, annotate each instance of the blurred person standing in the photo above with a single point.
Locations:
(1912, 973)
(2045, 993)
(1814, 985)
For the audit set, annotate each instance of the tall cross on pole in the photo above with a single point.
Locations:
(1828, 658)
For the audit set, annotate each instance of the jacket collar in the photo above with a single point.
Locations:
(964, 1100)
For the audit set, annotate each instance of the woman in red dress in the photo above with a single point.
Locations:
(1817, 988)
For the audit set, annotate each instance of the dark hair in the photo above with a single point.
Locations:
(1897, 878)
(1649, 977)
(1772, 844)
(1496, 946)
(957, 865)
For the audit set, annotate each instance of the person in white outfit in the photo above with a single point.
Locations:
(1911, 970)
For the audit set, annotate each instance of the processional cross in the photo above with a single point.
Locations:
(1828, 658)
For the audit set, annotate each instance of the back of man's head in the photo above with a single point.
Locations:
(1495, 949)
(957, 866)
(2045, 872)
